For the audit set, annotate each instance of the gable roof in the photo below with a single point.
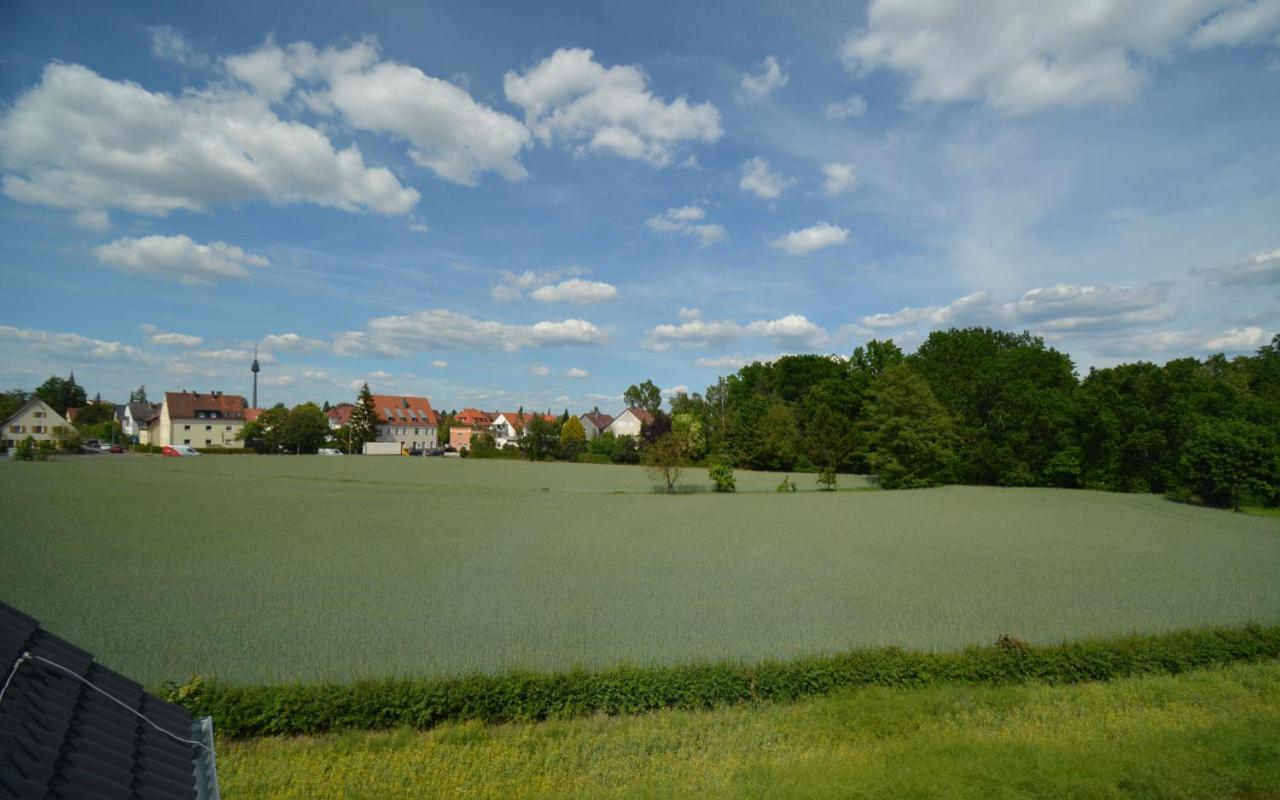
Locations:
(143, 412)
(640, 414)
(341, 415)
(184, 405)
(60, 738)
(474, 416)
(518, 422)
(601, 421)
(402, 410)
(35, 400)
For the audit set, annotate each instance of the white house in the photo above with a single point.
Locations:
(136, 418)
(410, 421)
(200, 420)
(36, 419)
(630, 422)
(595, 423)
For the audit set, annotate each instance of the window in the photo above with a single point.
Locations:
(39, 429)
(416, 431)
(38, 414)
(208, 442)
(186, 427)
(228, 427)
(186, 441)
(15, 429)
(199, 415)
(208, 427)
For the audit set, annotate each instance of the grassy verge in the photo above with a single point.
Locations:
(517, 696)
(1260, 511)
(1209, 733)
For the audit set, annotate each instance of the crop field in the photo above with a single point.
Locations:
(271, 569)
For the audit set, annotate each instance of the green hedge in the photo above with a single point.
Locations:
(422, 703)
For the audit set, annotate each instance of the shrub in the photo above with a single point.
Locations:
(721, 474)
(422, 703)
(26, 450)
(827, 480)
(787, 485)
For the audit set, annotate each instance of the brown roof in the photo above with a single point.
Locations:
(399, 410)
(185, 405)
(474, 416)
(642, 415)
(252, 414)
(518, 423)
(601, 421)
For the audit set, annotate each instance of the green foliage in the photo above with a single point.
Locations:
(67, 437)
(26, 449)
(787, 486)
(646, 395)
(692, 433)
(910, 435)
(664, 460)
(362, 427)
(138, 395)
(61, 394)
(721, 474)
(827, 479)
(540, 439)
(483, 445)
(1227, 461)
(521, 696)
(95, 413)
(11, 401)
(573, 439)
(304, 430)
(625, 450)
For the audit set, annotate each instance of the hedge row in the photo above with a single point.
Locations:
(423, 703)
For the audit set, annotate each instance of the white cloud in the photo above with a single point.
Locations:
(687, 314)
(540, 370)
(838, 179)
(576, 373)
(686, 221)
(853, 106)
(1259, 269)
(807, 240)
(675, 390)
(570, 96)
(317, 375)
(82, 142)
(278, 380)
(758, 180)
(514, 286)
(1251, 23)
(168, 44)
(1061, 308)
(69, 346)
(793, 330)
(291, 342)
(178, 258)
(1018, 57)
(156, 336)
(448, 131)
(576, 291)
(441, 329)
(734, 362)
(771, 77)
(94, 220)
(1183, 342)
(439, 364)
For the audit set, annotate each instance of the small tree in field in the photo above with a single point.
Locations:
(827, 480)
(664, 460)
(721, 474)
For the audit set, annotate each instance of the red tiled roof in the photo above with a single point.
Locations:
(252, 414)
(341, 414)
(184, 405)
(400, 410)
(601, 421)
(518, 423)
(642, 415)
(474, 416)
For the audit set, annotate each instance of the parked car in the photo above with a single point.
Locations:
(329, 451)
(179, 450)
(448, 448)
(116, 448)
(436, 451)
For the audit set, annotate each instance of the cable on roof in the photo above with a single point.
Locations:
(26, 656)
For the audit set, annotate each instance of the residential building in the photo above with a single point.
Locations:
(467, 423)
(407, 420)
(200, 420)
(508, 426)
(594, 423)
(136, 418)
(36, 419)
(630, 422)
(339, 415)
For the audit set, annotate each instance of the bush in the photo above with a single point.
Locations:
(787, 485)
(26, 450)
(722, 476)
(827, 480)
(422, 703)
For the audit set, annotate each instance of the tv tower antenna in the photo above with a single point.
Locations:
(255, 369)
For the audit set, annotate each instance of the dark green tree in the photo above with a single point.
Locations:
(138, 395)
(363, 424)
(1229, 461)
(911, 436)
(664, 460)
(304, 430)
(645, 395)
(11, 401)
(61, 394)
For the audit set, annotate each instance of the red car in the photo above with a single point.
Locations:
(179, 450)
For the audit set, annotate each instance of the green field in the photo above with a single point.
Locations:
(1205, 734)
(267, 569)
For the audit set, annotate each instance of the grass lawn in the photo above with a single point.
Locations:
(1205, 734)
(267, 569)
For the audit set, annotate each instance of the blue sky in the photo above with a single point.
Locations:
(501, 205)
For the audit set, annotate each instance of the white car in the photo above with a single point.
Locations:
(329, 451)
(179, 450)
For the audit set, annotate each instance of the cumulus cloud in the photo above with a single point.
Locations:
(1181, 342)
(447, 130)
(442, 329)
(807, 240)
(733, 363)
(1060, 308)
(571, 97)
(167, 338)
(317, 375)
(687, 314)
(540, 370)
(853, 106)
(291, 342)
(178, 258)
(86, 143)
(576, 373)
(576, 291)
(168, 44)
(69, 346)
(761, 86)
(687, 221)
(758, 180)
(1259, 269)
(1018, 57)
(838, 179)
(793, 330)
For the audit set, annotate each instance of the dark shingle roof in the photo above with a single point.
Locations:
(61, 738)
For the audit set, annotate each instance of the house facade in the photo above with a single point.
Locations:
(200, 420)
(409, 421)
(36, 419)
(630, 422)
(136, 419)
(594, 423)
(339, 416)
(467, 424)
(508, 426)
